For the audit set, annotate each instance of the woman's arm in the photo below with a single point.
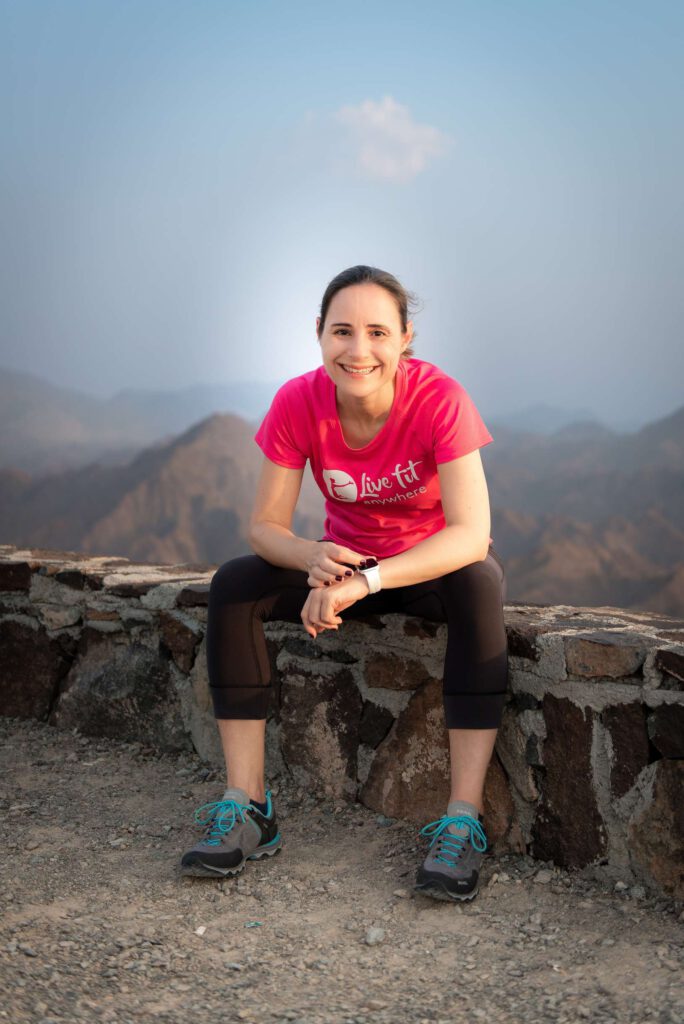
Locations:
(270, 529)
(464, 539)
(270, 533)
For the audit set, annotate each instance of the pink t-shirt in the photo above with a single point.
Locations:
(385, 497)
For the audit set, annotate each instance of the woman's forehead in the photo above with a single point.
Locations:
(357, 299)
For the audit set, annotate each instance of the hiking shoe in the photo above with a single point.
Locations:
(235, 832)
(451, 869)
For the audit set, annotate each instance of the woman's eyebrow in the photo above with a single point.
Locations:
(367, 325)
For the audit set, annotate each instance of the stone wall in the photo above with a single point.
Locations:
(587, 770)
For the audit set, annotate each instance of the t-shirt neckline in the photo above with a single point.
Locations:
(399, 381)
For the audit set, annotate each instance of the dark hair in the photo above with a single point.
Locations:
(361, 274)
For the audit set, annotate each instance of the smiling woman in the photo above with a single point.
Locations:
(393, 443)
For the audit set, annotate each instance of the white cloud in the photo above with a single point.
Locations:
(387, 144)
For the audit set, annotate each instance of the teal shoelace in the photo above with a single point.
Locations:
(450, 846)
(222, 816)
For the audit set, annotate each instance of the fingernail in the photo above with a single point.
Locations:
(362, 565)
(338, 577)
(326, 583)
(349, 573)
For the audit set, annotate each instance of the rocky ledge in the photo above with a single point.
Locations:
(587, 770)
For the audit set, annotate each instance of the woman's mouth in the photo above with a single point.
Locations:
(358, 371)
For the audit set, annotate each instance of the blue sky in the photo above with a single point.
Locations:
(180, 181)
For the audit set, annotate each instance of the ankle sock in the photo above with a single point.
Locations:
(461, 807)
(259, 807)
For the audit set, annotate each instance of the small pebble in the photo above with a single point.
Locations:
(374, 936)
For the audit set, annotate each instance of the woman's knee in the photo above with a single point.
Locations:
(480, 582)
(232, 577)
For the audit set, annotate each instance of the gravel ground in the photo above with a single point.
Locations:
(98, 925)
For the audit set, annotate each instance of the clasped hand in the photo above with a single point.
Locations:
(335, 585)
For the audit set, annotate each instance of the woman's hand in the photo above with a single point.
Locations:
(331, 563)
(323, 604)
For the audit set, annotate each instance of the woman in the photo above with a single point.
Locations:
(394, 446)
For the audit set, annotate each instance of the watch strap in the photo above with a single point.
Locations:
(372, 574)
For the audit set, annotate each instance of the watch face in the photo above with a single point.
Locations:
(371, 563)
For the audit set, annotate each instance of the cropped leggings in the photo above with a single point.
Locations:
(248, 591)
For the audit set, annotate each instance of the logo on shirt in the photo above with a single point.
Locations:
(340, 485)
(343, 487)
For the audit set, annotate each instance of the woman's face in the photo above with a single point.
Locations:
(363, 330)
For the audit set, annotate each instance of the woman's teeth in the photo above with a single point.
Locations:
(358, 373)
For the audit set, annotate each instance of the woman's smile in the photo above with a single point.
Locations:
(358, 371)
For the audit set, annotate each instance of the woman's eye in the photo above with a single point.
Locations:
(343, 330)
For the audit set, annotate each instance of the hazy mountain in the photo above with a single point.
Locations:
(188, 500)
(46, 429)
(540, 418)
(582, 515)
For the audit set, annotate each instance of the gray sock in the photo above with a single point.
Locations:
(461, 807)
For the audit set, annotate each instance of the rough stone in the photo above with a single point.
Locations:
(422, 628)
(179, 639)
(656, 829)
(132, 589)
(32, 665)
(671, 662)
(523, 631)
(500, 820)
(666, 729)
(194, 596)
(603, 655)
(392, 671)
(375, 723)
(320, 715)
(102, 615)
(56, 617)
(197, 710)
(409, 776)
(73, 578)
(626, 725)
(511, 744)
(568, 828)
(15, 576)
(121, 690)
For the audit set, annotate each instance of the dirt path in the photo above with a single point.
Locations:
(97, 925)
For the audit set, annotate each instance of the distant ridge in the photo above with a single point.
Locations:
(185, 500)
(582, 516)
(45, 428)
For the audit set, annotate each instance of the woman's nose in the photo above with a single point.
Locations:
(358, 343)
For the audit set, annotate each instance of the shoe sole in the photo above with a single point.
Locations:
(201, 870)
(439, 892)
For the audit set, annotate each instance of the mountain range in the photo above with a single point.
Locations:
(580, 516)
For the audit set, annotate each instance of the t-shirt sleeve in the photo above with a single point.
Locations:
(277, 435)
(457, 427)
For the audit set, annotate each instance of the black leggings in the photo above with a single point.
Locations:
(247, 591)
